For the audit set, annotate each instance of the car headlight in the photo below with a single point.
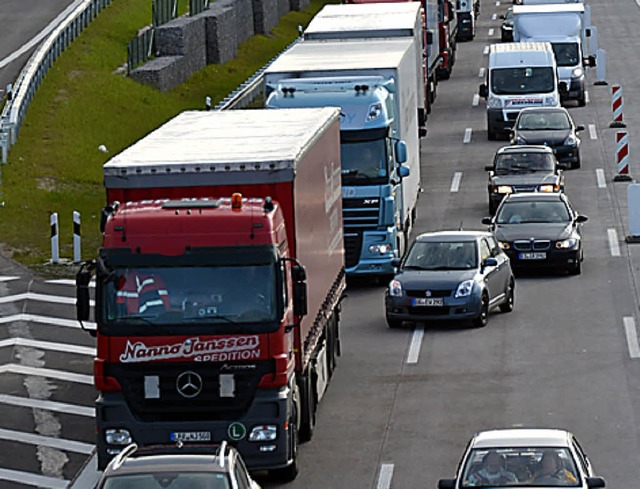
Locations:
(267, 432)
(464, 289)
(505, 189)
(117, 436)
(494, 103)
(395, 289)
(567, 244)
(383, 248)
(550, 101)
(504, 245)
(577, 72)
(571, 140)
(549, 188)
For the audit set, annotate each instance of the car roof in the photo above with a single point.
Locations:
(544, 110)
(521, 437)
(536, 197)
(438, 236)
(525, 148)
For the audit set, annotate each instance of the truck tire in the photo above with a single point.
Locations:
(308, 408)
(290, 472)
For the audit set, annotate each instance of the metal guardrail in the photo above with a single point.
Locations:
(33, 73)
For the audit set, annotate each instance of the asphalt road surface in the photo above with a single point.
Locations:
(403, 403)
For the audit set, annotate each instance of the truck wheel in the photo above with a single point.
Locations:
(290, 472)
(308, 422)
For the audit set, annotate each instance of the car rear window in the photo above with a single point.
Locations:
(169, 480)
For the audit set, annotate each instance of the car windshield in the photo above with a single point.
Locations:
(449, 255)
(533, 212)
(543, 121)
(566, 53)
(520, 467)
(169, 480)
(520, 81)
(523, 162)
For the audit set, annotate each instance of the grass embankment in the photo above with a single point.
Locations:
(83, 103)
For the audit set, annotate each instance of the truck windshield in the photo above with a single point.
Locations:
(190, 295)
(520, 81)
(364, 162)
(567, 53)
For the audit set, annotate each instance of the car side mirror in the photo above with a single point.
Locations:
(447, 484)
(579, 128)
(591, 61)
(488, 168)
(593, 482)
(581, 218)
(483, 90)
(512, 133)
(395, 262)
(487, 221)
(490, 262)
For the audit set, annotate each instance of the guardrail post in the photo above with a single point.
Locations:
(55, 239)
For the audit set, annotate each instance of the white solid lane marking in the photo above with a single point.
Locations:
(593, 134)
(632, 336)
(89, 476)
(485, 50)
(67, 281)
(494, 17)
(416, 344)
(33, 318)
(481, 73)
(48, 373)
(8, 279)
(50, 346)
(46, 441)
(56, 299)
(476, 100)
(613, 242)
(602, 183)
(34, 480)
(586, 96)
(385, 476)
(59, 407)
(467, 135)
(491, 32)
(455, 181)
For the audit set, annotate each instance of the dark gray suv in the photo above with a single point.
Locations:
(177, 467)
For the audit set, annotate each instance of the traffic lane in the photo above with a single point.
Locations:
(353, 416)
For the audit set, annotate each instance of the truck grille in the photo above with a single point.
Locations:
(359, 215)
(172, 406)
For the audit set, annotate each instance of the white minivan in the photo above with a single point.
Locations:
(519, 75)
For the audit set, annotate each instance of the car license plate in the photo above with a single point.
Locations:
(533, 256)
(428, 301)
(191, 436)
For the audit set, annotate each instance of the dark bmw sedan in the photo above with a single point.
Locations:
(553, 127)
(450, 275)
(539, 230)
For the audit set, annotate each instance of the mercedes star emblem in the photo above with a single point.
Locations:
(189, 384)
(428, 293)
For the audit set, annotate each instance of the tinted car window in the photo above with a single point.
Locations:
(531, 212)
(169, 480)
(442, 256)
(540, 121)
(524, 161)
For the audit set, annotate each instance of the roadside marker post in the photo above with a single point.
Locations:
(622, 157)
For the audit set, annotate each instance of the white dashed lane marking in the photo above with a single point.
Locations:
(613, 242)
(632, 336)
(467, 135)
(593, 134)
(455, 181)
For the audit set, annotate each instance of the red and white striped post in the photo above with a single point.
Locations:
(617, 104)
(622, 157)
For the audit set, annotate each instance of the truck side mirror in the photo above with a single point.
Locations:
(590, 61)
(298, 273)
(401, 151)
(300, 301)
(488, 168)
(83, 278)
(483, 90)
(403, 171)
(587, 32)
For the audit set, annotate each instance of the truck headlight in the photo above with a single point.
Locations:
(571, 140)
(383, 248)
(548, 188)
(577, 72)
(117, 436)
(464, 289)
(374, 111)
(567, 244)
(494, 103)
(267, 432)
(550, 101)
(395, 289)
(505, 189)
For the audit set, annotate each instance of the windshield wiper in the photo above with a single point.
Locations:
(356, 173)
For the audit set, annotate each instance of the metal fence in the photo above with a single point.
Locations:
(33, 73)
(140, 49)
(163, 11)
(197, 6)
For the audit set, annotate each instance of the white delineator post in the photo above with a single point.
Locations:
(76, 237)
(55, 238)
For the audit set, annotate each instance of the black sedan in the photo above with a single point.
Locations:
(553, 127)
(451, 275)
(522, 169)
(539, 230)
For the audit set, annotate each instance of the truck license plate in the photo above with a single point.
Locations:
(428, 301)
(191, 436)
(532, 256)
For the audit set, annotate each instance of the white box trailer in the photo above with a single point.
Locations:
(379, 21)
(566, 27)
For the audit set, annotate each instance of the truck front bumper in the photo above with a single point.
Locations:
(369, 258)
(270, 407)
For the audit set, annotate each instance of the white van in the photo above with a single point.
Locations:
(519, 75)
